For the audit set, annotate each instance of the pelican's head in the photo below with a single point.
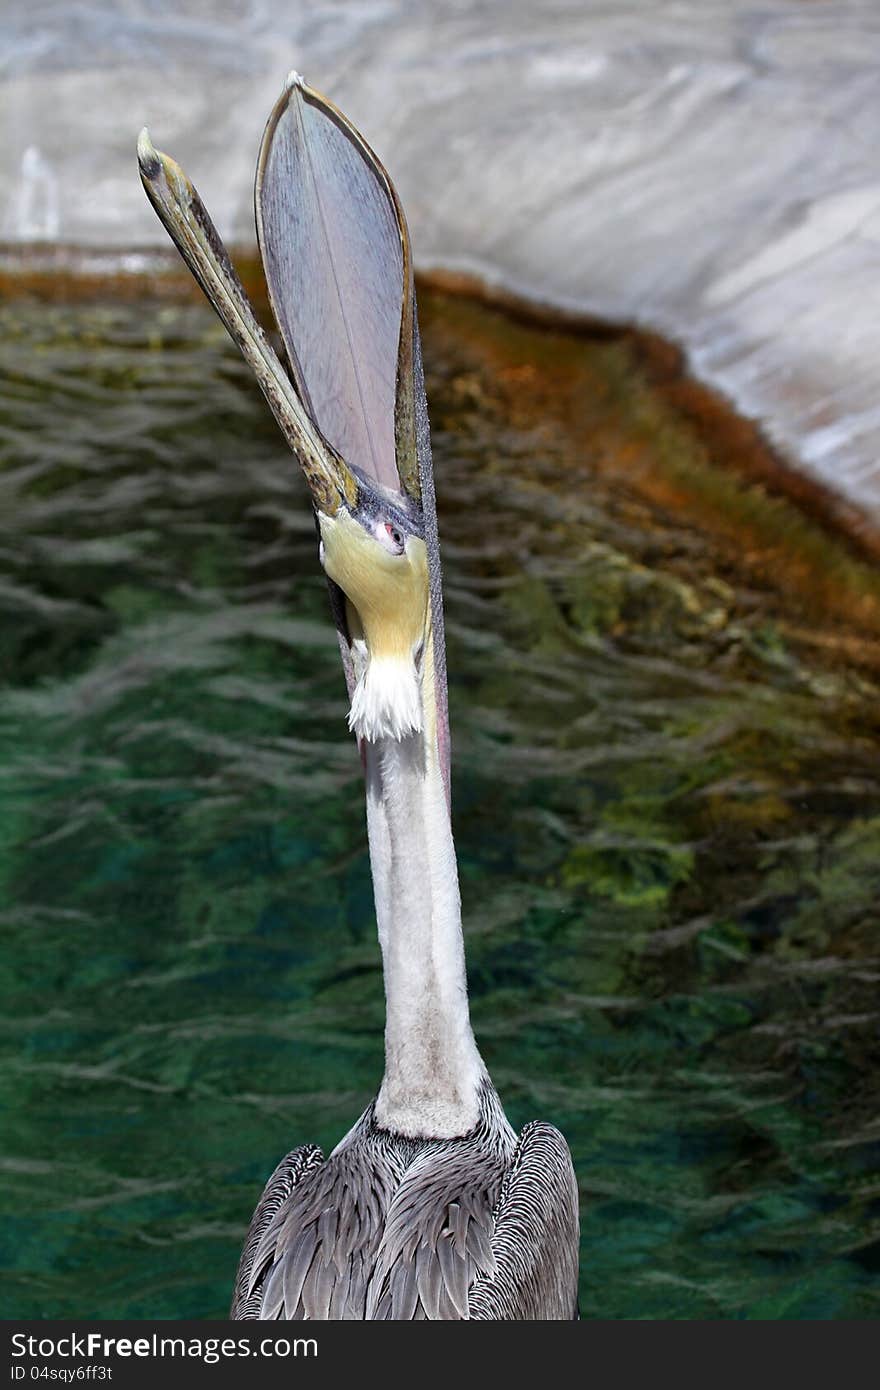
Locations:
(350, 396)
(381, 565)
(335, 248)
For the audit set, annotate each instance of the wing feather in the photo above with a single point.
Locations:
(272, 1303)
(438, 1234)
(454, 1270)
(290, 1171)
(314, 1252)
(484, 1228)
(404, 1292)
(340, 1295)
(429, 1279)
(299, 1257)
(536, 1235)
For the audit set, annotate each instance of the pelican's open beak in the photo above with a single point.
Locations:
(350, 400)
(186, 220)
(335, 250)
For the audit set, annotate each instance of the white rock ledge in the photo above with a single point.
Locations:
(706, 168)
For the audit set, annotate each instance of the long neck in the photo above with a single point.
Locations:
(432, 1067)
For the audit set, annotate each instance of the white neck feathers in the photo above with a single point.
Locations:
(432, 1067)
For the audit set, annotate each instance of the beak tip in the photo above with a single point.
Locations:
(148, 158)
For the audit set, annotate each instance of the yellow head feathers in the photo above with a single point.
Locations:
(389, 617)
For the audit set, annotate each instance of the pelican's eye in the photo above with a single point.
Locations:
(388, 535)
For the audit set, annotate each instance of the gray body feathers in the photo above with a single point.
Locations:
(482, 1227)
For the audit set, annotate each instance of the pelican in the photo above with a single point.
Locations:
(431, 1206)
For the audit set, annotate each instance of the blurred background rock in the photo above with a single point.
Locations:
(707, 168)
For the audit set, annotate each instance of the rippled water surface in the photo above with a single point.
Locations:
(667, 808)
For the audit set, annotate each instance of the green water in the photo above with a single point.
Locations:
(667, 816)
